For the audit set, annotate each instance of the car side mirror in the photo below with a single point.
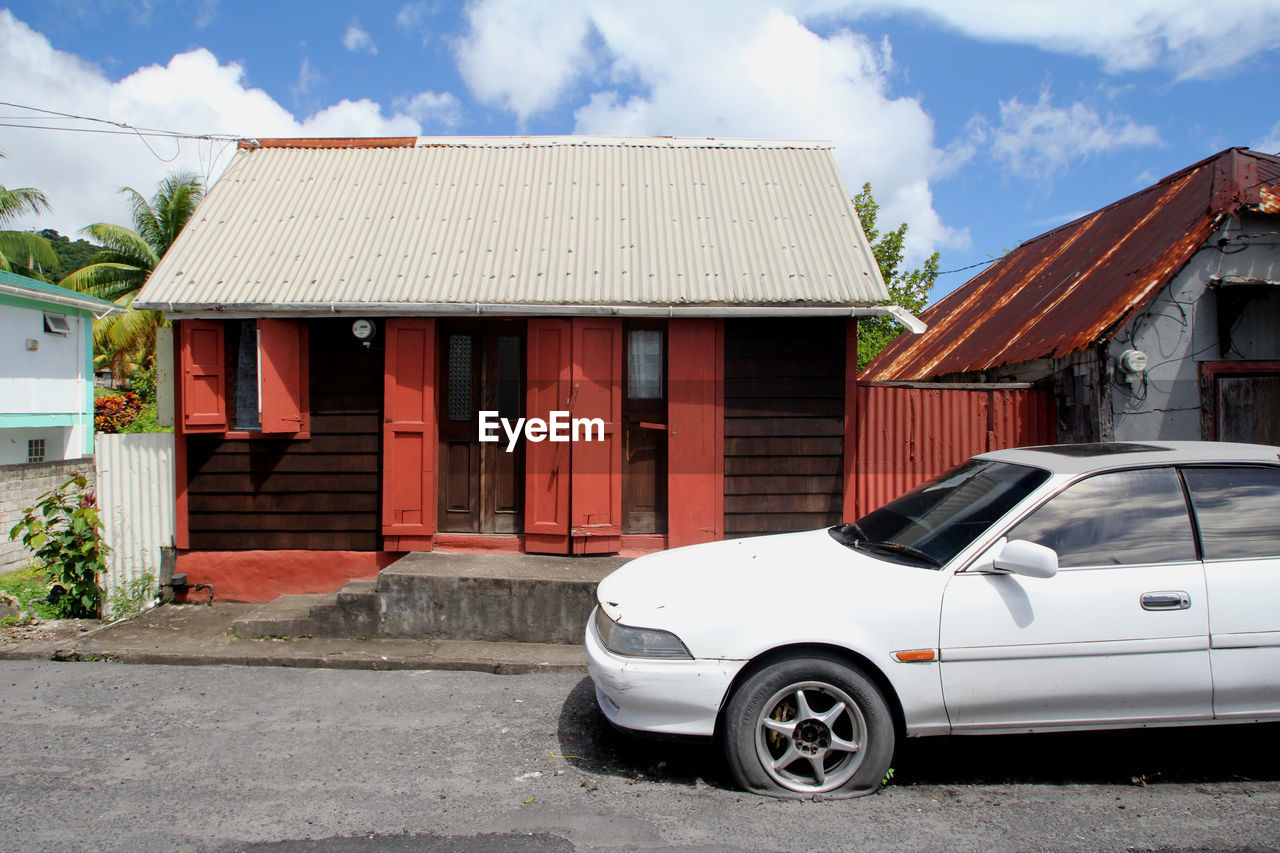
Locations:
(1028, 559)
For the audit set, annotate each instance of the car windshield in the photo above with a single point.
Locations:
(933, 522)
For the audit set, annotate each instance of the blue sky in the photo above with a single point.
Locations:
(981, 123)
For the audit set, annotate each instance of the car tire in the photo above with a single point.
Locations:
(809, 726)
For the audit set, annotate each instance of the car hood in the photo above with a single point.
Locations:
(734, 598)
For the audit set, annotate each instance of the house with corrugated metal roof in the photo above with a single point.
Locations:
(46, 394)
(1157, 316)
(559, 345)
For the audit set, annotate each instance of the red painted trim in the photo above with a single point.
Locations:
(639, 544)
(181, 527)
(850, 510)
(266, 575)
(476, 542)
(400, 544)
(336, 142)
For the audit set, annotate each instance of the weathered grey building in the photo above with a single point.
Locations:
(1157, 316)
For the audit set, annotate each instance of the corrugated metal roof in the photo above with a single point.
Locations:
(44, 291)
(542, 221)
(1073, 286)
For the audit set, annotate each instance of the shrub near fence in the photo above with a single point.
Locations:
(20, 487)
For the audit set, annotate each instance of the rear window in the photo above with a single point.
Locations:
(1238, 509)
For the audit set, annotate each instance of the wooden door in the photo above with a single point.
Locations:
(644, 427)
(481, 483)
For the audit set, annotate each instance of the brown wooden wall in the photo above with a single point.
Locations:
(320, 493)
(783, 424)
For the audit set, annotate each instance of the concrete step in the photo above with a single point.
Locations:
(502, 598)
(287, 616)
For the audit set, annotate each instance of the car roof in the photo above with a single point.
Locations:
(1075, 459)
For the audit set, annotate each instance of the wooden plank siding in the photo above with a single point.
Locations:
(783, 424)
(315, 494)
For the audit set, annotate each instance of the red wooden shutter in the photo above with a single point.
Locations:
(204, 394)
(695, 440)
(283, 376)
(596, 510)
(547, 464)
(409, 436)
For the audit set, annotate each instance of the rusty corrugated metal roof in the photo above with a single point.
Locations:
(1073, 286)
(552, 222)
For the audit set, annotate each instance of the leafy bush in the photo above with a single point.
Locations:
(61, 530)
(146, 421)
(143, 383)
(132, 597)
(114, 412)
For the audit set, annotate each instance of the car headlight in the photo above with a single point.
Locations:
(638, 642)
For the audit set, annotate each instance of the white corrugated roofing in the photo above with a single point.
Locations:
(521, 221)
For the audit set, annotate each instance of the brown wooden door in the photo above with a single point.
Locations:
(481, 483)
(644, 419)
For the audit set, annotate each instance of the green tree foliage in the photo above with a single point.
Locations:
(907, 288)
(23, 252)
(128, 257)
(72, 254)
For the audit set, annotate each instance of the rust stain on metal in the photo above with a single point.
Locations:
(1068, 288)
(1269, 200)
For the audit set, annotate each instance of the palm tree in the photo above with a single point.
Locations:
(128, 258)
(22, 251)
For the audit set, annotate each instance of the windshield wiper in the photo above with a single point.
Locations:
(849, 534)
(896, 548)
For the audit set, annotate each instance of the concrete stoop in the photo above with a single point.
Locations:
(511, 598)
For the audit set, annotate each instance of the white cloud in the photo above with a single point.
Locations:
(518, 57)
(1269, 144)
(206, 12)
(414, 19)
(82, 173)
(1190, 38)
(357, 40)
(1040, 140)
(728, 69)
(307, 79)
(441, 109)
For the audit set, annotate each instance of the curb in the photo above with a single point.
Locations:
(72, 655)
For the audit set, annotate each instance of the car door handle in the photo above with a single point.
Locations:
(1173, 600)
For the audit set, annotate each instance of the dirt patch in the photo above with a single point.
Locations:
(35, 635)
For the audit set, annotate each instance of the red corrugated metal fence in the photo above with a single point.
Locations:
(909, 434)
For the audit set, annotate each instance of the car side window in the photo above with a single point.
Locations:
(1118, 518)
(1238, 509)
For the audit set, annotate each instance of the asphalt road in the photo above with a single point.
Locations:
(114, 757)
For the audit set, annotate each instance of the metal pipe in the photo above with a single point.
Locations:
(85, 303)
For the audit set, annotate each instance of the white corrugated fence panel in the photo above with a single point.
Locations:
(135, 502)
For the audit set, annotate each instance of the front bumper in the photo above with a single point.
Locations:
(670, 697)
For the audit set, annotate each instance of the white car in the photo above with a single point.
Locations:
(1038, 589)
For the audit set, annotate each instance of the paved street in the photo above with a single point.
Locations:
(115, 757)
